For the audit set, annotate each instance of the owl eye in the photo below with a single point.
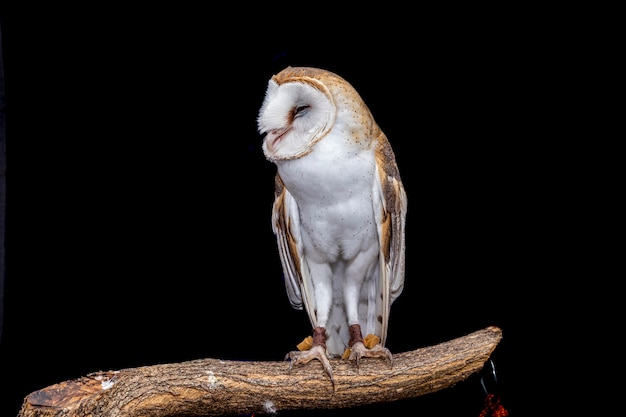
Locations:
(300, 110)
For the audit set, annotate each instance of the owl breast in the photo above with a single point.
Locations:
(332, 186)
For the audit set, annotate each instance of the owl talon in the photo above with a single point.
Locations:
(358, 351)
(316, 352)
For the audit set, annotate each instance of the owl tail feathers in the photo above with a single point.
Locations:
(369, 342)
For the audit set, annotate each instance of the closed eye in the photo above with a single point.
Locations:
(300, 110)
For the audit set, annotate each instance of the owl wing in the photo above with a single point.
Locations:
(390, 206)
(286, 227)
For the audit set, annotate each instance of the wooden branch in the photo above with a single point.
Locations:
(213, 387)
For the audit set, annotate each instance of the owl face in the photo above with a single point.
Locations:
(294, 116)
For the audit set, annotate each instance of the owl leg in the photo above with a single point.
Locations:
(358, 349)
(318, 351)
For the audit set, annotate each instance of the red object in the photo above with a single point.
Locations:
(493, 408)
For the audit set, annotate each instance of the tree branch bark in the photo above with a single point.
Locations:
(213, 387)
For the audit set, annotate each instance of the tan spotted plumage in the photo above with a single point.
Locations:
(339, 210)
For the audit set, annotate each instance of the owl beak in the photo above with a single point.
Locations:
(273, 136)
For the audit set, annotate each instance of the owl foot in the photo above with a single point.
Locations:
(317, 351)
(368, 347)
(358, 351)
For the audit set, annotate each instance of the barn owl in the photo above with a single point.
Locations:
(338, 214)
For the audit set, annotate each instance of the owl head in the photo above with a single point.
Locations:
(301, 106)
(298, 110)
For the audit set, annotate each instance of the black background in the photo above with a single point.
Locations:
(139, 200)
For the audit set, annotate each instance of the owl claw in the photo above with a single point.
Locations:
(358, 351)
(316, 352)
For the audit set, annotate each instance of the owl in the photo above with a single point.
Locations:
(338, 214)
